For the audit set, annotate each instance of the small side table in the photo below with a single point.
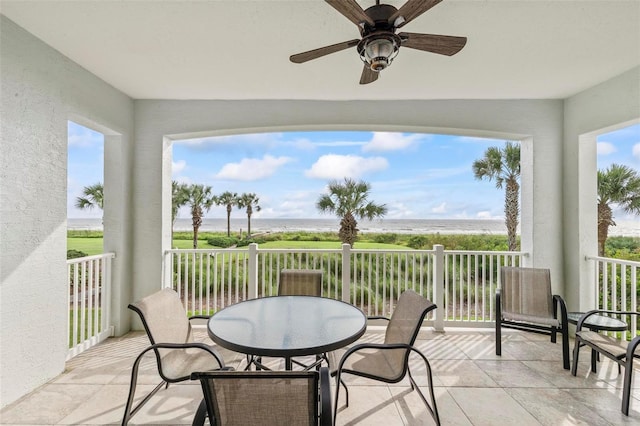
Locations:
(596, 323)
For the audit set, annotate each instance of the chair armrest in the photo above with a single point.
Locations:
(326, 414)
(199, 317)
(378, 317)
(559, 301)
(191, 345)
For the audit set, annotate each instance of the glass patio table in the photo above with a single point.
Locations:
(287, 326)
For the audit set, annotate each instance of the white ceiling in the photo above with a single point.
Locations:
(240, 49)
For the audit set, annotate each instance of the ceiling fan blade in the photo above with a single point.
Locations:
(411, 10)
(441, 44)
(352, 11)
(322, 51)
(368, 75)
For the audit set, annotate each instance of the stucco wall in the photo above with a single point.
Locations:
(537, 122)
(41, 91)
(587, 114)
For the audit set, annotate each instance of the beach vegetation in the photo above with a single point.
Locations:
(502, 165)
(618, 185)
(349, 201)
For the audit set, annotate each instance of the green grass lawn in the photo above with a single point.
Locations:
(93, 246)
(90, 246)
(327, 245)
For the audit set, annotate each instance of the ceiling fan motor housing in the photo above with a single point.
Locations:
(379, 44)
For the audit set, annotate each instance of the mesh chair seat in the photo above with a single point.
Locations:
(371, 362)
(616, 347)
(531, 319)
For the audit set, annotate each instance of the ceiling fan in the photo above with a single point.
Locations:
(379, 43)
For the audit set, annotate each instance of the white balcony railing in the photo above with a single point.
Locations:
(618, 286)
(209, 280)
(89, 301)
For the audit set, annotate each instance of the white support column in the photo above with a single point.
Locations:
(438, 286)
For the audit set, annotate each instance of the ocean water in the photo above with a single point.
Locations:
(398, 226)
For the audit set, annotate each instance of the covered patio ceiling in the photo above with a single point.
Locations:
(218, 49)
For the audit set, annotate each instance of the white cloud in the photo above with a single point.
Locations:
(333, 166)
(386, 141)
(486, 215)
(83, 137)
(442, 208)
(635, 151)
(178, 167)
(249, 169)
(606, 148)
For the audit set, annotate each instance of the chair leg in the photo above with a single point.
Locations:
(498, 307)
(201, 415)
(498, 338)
(565, 347)
(576, 352)
(431, 407)
(128, 411)
(626, 389)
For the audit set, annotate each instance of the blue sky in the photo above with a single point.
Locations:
(417, 176)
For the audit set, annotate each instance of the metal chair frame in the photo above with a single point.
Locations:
(625, 360)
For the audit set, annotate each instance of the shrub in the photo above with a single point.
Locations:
(386, 238)
(74, 254)
(223, 242)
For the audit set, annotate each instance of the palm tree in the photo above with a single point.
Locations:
(93, 196)
(503, 165)
(248, 201)
(228, 199)
(200, 199)
(179, 197)
(618, 185)
(348, 201)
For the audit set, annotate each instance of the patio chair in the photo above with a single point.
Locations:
(525, 303)
(300, 282)
(268, 398)
(177, 355)
(389, 361)
(620, 351)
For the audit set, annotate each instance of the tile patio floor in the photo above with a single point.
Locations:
(526, 386)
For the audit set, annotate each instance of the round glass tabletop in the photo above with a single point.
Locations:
(287, 326)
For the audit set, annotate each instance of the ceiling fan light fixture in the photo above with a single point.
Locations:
(379, 50)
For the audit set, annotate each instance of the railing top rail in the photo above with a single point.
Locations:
(300, 250)
(93, 257)
(209, 250)
(612, 260)
(487, 252)
(392, 251)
